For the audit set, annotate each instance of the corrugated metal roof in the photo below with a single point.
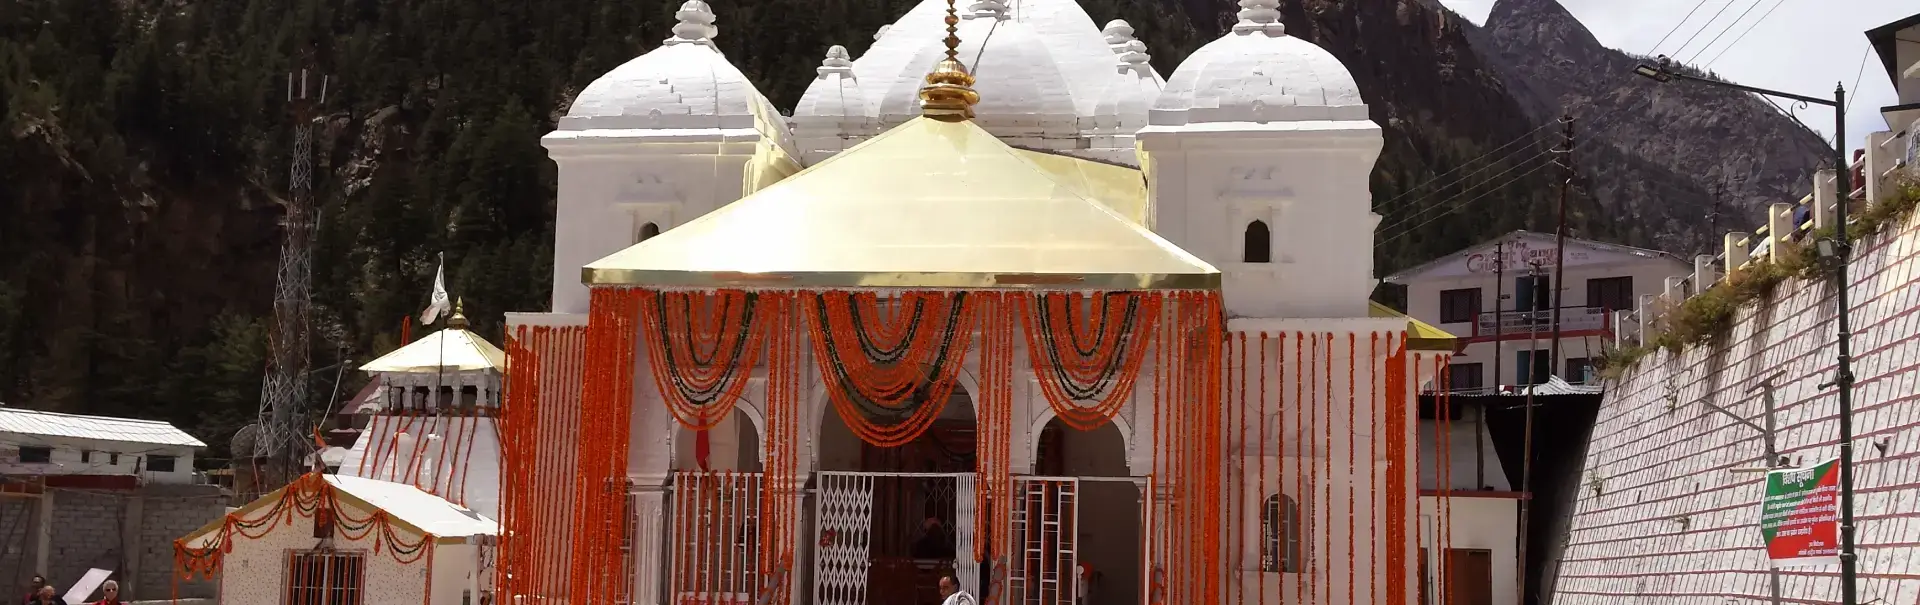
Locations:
(103, 428)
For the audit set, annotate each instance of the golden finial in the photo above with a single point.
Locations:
(459, 319)
(949, 91)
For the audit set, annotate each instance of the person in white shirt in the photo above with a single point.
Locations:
(951, 590)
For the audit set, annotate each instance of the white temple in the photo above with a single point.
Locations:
(1253, 157)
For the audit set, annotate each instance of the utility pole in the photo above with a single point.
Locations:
(1499, 303)
(1526, 440)
(1843, 376)
(1713, 217)
(1770, 452)
(1560, 239)
(281, 441)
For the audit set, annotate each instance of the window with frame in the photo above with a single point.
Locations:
(1459, 305)
(1280, 535)
(326, 578)
(1579, 370)
(646, 232)
(1610, 293)
(160, 464)
(86, 456)
(36, 455)
(1465, 377)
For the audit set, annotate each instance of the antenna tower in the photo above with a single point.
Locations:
(281, 443)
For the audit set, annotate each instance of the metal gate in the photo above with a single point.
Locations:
(868, 524)
(715, 539)
(1045, 531)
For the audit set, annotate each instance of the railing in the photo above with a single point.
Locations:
(1510, 325)
(1884, 160)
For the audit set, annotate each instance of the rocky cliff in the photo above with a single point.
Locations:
(1670, 156)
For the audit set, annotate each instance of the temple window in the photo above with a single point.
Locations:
(647, 232)
(1258, 247)
(1280, 535)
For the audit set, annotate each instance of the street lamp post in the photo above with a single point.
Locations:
(1835, 251)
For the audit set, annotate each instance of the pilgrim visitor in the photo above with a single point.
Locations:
(33, 588)
(951, 590)
(110, 593)
(44, 596)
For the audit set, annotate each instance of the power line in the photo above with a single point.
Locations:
(1676, 26)
(1409, 231)
(1856, 77)
(1743, 34)
(1724, 30)
(1417, 213)
(1703, 28)
(1410, 191)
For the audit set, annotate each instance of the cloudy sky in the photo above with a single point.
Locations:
(1802, 46)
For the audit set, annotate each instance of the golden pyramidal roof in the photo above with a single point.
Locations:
(933, 203)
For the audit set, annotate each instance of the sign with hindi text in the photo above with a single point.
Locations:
(1800, 517)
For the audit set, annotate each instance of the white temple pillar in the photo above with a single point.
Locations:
(649, 556)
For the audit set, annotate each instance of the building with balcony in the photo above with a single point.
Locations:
(1499, 298)
(1898, 45)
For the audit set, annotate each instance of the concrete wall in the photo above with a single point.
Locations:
(1663, 520)
(130, 532)
(1490, 524)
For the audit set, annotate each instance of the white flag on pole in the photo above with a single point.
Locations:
(439, 303)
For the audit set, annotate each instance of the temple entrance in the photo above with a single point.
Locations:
(890, 520)
(715, 498)
(1082, 518)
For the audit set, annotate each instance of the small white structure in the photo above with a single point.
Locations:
(1457, 293)
(333, 539)
(49, 444)
(432, 423)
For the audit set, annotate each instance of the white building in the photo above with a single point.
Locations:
(334, 539)
(1457, 292)
(430, 418)
(1898, 147)
(52, 444)
(1248, 168)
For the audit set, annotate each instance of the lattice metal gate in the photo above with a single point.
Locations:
(1045, 534)
(865, 522)
(714, 542)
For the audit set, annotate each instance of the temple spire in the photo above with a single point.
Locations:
(949, 91)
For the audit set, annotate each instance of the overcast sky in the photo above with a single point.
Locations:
(1803, 46)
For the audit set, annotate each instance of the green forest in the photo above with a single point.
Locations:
(144, 143)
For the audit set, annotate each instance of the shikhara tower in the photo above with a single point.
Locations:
(997, 301)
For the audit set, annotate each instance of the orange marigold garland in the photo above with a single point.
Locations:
(1086, 349)
(702, 348)
(900, 373)
(599, 489)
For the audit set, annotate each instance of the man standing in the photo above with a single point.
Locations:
(110, 593)
(33, 589)
(44, 596)
(951, 590)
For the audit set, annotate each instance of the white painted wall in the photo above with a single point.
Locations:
(1462, 472)
(1474, 524)
(1660, 518)
(462, 465)
(72, 456)
(256, 570)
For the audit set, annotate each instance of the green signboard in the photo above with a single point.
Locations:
(1800, 518)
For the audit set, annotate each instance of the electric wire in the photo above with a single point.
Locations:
(1743, 33)
(1416, 228)
(1703, 28)
(1676, 26)
(1416, 188)
(1723, 31)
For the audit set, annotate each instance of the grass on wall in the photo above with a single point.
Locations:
(1705, 318)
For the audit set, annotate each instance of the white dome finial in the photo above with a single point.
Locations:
(696, 24)
(1118, 33)
(1134, 58)
(980, 9)
(837, 62)
(1260, 16)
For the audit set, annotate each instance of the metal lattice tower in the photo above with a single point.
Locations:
(281, 443)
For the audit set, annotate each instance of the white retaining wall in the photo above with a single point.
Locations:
(1660, 517)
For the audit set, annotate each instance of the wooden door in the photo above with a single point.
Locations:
(1469, 577)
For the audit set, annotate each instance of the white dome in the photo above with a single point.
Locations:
(1023, 90)
(1257, 73)
(686, 83)
(832, 116)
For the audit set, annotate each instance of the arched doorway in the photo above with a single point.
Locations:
(1105, 513)
(716, 494)
(891, 518)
